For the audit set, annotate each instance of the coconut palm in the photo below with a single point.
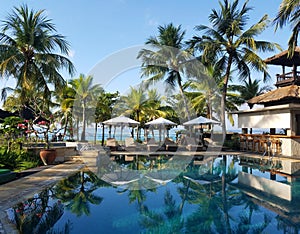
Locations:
(135, 104)
(249, 89)
(27, 44)
(104, 107)
(77, 193)
(86, 94)
(289, 13)
(167, 61)
(66, 100)
(228, 43)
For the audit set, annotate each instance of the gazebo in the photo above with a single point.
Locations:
(281, 107)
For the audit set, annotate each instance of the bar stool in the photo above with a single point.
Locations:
(276, 146)
(243, 143)
(249, 141)
(256, 142)
(263, 144)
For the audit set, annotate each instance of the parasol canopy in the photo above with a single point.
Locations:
(200, 121)
(121, 121)
(161, 121)
(120, 178)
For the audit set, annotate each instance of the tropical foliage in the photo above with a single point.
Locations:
(231, 45)
(27, 44)
(289, 14)
(85, 99)
(167, 60)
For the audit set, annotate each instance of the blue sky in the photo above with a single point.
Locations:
(96, 28)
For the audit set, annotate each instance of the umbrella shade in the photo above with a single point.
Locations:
(201, 120)
(161, 121)
(162, 176)
(121, 177)
(121, 121)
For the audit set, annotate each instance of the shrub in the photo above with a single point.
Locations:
(18, 160)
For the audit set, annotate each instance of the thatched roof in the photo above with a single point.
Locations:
(282, 58)
(291, 92)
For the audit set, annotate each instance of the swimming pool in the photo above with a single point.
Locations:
(225, 194)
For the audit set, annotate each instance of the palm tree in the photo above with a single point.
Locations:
(134, 104)
(228, 43)
(104, 107)
(27, 44)
(249, 89)
(86, 94)
(77, 193)
(66, 100)
(167, 61)
(289, 13)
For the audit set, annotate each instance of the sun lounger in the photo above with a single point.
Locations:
(112, 144)
(193, 144)
(131, 145)
(153, 146)
(170, 145)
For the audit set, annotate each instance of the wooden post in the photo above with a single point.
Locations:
(272, 131)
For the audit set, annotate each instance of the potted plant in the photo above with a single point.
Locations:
(47, 154)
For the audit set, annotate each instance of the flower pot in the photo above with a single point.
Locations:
(48, 156)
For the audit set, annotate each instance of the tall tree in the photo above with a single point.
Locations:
(105, 104)
(228, 43)
(289, 13)
(66, 100)
(167, 61)
(86, 94)
(28, 41)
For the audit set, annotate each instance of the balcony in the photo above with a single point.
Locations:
(286, 79)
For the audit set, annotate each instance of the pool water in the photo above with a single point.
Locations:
(217, 195)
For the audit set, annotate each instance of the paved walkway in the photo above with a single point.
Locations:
(25, 187)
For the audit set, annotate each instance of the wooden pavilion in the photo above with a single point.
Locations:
(281, 109)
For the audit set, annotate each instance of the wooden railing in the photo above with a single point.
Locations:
(289, 76)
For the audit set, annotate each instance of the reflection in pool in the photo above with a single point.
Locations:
(211, 195)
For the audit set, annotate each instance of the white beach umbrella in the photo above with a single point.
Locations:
(160, 123)
(162, 176)
(200, 121)
(121, 121)
(120, 178)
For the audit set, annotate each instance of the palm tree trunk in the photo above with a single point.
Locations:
(95, 136)
(102, 143)
(83, 122)
(184, 100)
(224, 195)
(185, 195)
(66, 125)
(224, 94)
(138, 127)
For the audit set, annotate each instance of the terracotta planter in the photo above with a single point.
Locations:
(48, 156)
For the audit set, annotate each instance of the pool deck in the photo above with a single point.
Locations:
(45, 176)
